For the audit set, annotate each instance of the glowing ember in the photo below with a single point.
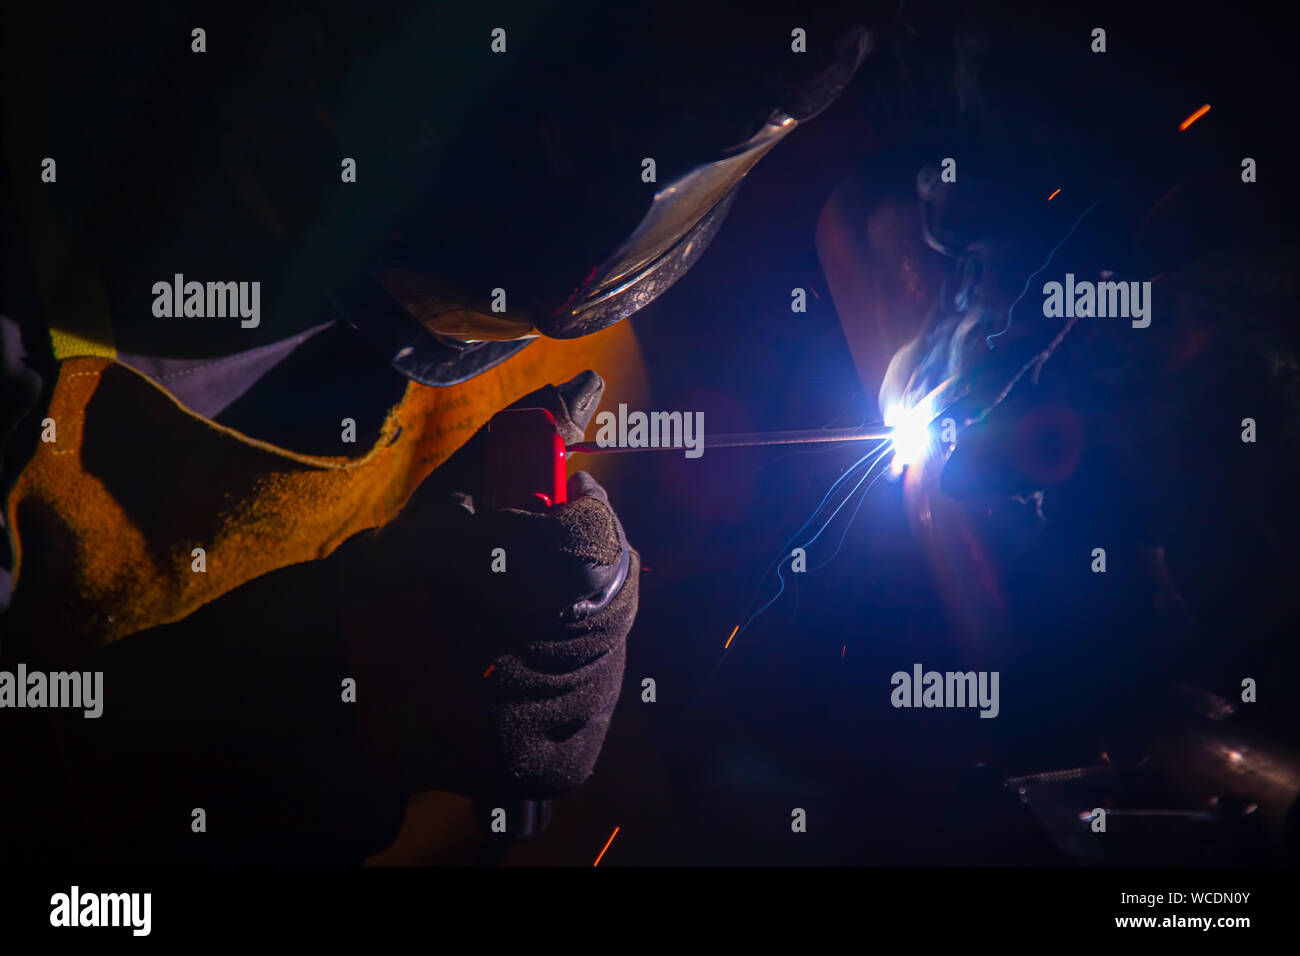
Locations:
(606, 846)
(1194, 117)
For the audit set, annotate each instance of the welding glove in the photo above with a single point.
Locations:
(516, 697)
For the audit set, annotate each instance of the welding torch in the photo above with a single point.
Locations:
(810, 436)
(526, 467)
(527, 455)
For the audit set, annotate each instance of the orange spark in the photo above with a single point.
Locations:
(491, 668)
(733, 634)
(606, 846)
(1053, 196)
(1194, 117)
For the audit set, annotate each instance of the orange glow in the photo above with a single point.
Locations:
(606, 846)
(1053, 196)
(1194, 117)
(733, 634)
(491, 668)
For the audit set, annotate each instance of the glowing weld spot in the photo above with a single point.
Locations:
(910, 433)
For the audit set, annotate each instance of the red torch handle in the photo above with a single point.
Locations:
(526, 460)
(526, 464)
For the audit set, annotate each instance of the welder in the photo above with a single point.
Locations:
(279, 519)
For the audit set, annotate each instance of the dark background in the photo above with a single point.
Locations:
(797, 715)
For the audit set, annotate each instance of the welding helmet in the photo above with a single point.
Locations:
(591, 186)
(450, 182)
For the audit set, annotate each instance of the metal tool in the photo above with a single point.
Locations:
(525, 465)
(752, 439)
(525, 460)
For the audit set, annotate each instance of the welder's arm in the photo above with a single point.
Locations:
(507, 687)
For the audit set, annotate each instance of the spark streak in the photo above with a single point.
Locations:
(910, 441)
(1194, 117)
(907, 435)
(875, 456)
(606, 846)
(1048, 261)
(1053, 196)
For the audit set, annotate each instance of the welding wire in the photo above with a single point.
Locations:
(1058, 776)
(748, 439)
(1177, 814)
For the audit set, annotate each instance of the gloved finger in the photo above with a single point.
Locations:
(611, 579)
(547, 563)
(572, 404)
(582, 485)
(579, 398)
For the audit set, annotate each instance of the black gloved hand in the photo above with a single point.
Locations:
(513, 693)
(552, 627)
(20, 387)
